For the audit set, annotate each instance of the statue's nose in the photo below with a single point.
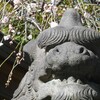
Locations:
(82, 50)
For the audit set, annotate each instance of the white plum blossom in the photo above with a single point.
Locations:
(54, 9)
(29, 37)
(10, 27)
(77, 7)
(1, 44)
(20, 17)
(85, 7)
(13, 31)
(31, 7)
(47, 8)
(87, 15)
(52, 2)
(18, 33)
(5, 20)
(17, 2)
(53, 24)
(64, 9)
(7, 37)
(18, 54)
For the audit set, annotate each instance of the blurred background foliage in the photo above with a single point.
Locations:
(23, 20)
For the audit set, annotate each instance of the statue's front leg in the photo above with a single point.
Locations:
(24, 91)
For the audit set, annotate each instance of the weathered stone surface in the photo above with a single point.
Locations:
(65, 63)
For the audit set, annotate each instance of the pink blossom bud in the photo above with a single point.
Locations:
(5, 20)
(11, 42)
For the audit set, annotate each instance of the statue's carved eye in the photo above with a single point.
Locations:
(57, 50)
(81, 50)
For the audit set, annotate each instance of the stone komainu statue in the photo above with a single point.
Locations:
(64, 63)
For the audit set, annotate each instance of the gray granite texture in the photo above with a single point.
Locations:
(64, 63)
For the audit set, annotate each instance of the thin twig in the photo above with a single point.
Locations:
(31, 20)
(9, 56)
(3, 12)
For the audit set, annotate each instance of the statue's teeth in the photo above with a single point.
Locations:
(79, 81)
(53, 76)
(64, 80)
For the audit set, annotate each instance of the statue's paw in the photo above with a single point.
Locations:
(72, 80)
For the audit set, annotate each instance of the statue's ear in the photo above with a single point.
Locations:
(28, 51)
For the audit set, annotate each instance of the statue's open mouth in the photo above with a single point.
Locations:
(62, 90)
